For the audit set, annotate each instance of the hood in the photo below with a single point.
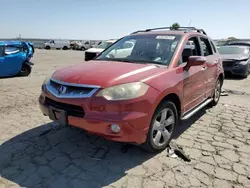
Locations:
(234, 57)
(106, 73)
(95, 50)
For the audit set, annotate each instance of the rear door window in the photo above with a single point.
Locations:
(206, 47)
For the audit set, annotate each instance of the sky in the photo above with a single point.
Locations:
(106, 19)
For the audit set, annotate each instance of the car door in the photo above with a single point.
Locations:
(194, 84)
(11, 61)
(210, 69)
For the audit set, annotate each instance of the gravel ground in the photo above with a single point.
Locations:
(36, 153)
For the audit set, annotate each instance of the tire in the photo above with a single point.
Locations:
(83, 49)
(26, 70)
(217, 92)
(248, 72)
(65, 48)
(47, 47)
(152, 144)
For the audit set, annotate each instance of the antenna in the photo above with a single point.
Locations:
(190, 23)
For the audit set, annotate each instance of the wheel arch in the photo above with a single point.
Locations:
(221, 77)
(173, 97)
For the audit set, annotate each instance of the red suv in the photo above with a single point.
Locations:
(137, 89)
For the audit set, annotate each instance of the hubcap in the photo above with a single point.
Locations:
(163, 127)
(217, 91)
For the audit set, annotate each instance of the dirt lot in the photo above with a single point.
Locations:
(34, 153)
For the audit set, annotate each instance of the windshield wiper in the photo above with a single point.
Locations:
(133, 61)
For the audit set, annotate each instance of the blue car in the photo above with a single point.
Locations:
(15, 58)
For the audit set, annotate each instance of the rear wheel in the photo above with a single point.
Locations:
(162, 127)
(25, 70)
(47, 47)
(217, 92)
(83, 49)
(65, 48)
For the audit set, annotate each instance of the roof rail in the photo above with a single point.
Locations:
(186, 29)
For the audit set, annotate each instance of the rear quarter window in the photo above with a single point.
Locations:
(213, 46)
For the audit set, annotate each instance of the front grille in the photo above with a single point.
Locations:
(90, 55)
(72, 110)
(228, 63)
(70, 90)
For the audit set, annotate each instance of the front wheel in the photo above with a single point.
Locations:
(25, 70)
(162, 127)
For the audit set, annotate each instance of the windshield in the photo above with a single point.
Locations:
(233, 50)
(104, 45)
(157, 49)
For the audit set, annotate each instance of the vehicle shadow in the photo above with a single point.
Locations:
(65, 157)
(69, 157)
(185, 124)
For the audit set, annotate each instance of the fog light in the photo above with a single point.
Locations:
(115, 128)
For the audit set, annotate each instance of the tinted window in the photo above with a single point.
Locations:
(206, 47)
(233, 50)
(191, 44)
(157, 49)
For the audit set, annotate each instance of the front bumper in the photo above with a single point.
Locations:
(240, 70)
(97, 117)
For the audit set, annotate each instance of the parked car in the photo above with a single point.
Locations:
(57, 44)
(141, 97)
(236, 59)
(15, 58)
(84, 45)
(237, 43)
(93, 52)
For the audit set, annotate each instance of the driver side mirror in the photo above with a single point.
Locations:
(196, 60)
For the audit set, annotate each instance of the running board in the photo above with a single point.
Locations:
(193, 111)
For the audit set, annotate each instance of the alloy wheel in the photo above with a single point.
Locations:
(163, 127)
(217, 91)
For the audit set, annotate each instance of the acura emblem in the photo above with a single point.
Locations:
(62, 89)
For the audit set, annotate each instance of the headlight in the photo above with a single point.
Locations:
(124, 91)
(243, 62)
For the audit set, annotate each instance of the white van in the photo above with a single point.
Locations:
(57, 44)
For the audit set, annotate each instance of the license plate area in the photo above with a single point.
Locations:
(63, 117)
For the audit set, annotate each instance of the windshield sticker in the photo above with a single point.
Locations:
(165, 37)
